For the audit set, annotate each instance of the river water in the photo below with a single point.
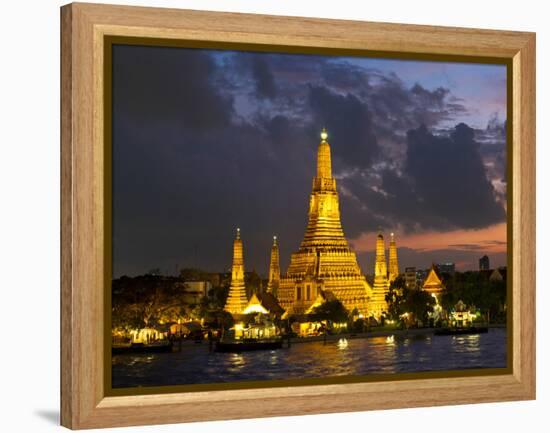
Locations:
(361, 356)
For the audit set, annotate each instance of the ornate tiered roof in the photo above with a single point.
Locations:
(237, 300)
(324, 260)
(433, 283)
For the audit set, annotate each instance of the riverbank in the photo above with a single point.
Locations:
(369, 334)
(385, 332)
(410, 332)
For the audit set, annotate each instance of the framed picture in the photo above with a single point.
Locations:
(266, 216)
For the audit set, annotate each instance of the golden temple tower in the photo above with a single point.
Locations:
(378, 304)
(274, 269)
(393, 265)
(324, 261)
(236, 299)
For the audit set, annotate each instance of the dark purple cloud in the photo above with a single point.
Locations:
(205, 141)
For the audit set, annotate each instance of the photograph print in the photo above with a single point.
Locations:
(281, 217)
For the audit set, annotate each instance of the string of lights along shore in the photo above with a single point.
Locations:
(324, 267)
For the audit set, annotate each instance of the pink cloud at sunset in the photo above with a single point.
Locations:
(487, 240)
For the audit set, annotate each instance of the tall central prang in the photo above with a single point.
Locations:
(324, 265)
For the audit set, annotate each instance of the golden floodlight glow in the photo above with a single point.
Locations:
(324, 267)
(237, 300)
(274, 269)
(393, 265)
(378, 304)
(433, 284)
(255, 306)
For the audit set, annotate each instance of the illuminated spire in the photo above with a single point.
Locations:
(324, 262)
(236, 299)
(380, 267)
(378, 304)
(393, 265)
(324, 165)
(274, 268)
(324, 209)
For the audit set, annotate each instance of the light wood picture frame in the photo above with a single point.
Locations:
(85, 171)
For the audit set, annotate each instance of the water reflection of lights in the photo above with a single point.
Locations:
(472, 342)
(315, 359)
(237, 360)
(461, 339)
(390, 339)
(342, 343)
(273, 359)
(466, 343)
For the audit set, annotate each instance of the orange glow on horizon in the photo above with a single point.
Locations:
(491, 240)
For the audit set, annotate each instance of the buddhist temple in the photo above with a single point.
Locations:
(324, 261)
(393, 264)
(236, 300)
(496, 275)
(433, 285)
(274, 269)
(264, 303)
(255, 306)
(378, 304)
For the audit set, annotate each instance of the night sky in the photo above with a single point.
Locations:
(206, 141)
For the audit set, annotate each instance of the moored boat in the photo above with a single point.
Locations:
(157, 347)
(245, 345)
(462, 331)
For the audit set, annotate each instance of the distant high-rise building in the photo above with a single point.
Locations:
(446, 268)
(421, 275)
(196, 290)
(484, 264)
(410, 277)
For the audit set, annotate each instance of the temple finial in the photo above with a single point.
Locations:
(238, 233)
(324, 134)
(274, 240)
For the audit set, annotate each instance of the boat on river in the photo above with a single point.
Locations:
(261, 334)
(462, 331)
(248, 344)
(155, 347)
